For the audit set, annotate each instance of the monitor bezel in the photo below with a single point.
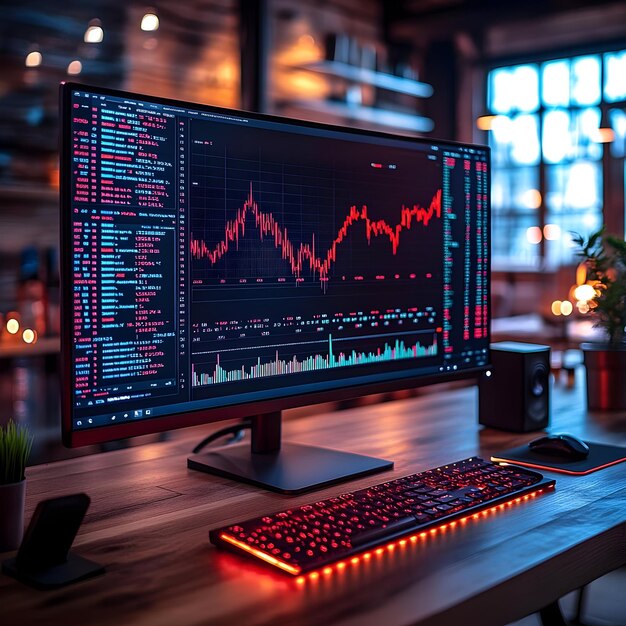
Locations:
(290, 400)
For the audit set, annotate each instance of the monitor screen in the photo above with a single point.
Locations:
(218, 263)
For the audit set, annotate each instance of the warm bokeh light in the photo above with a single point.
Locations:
(581, 274)
(584, 293)
(94, 34)
(566, 307)
(306, 41)
(556, 307)
(149, 22)
(604, 135)
(583, 307)
(29, 335)
(299, 53)
(13, 326)
(74, 68)
(485, 122)
(533, 234)
(531, 198)
(33, 59)
(226, 72)
(552, 232)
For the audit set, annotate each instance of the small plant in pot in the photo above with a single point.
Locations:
(15, 445)
(605, 260)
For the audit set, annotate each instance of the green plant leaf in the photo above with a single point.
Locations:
(605, 258)
(15, 446)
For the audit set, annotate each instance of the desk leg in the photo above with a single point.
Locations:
(580, 605)
(551, 615)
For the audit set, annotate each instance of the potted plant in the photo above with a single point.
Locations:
(15, 446)
(605, 259)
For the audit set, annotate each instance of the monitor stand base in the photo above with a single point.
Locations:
(295, 468)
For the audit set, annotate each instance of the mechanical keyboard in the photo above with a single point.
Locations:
(312, 536)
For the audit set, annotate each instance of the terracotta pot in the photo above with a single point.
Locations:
(606, 376)
(12, 515)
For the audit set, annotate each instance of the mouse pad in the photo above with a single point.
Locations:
(600, 456)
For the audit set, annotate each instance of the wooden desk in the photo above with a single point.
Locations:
(149, 519)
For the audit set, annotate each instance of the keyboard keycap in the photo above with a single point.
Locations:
(384, 531)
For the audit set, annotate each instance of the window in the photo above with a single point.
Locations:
(547, 154)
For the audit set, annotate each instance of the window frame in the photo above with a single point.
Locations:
(612, 168)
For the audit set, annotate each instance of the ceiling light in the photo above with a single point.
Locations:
(149, 22)
(94, 33)
(74, 68)
(33, 59)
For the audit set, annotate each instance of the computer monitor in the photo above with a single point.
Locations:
(220, 264)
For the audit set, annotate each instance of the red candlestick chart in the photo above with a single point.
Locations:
(307, 255)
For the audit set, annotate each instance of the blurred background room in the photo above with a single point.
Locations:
(542, 81)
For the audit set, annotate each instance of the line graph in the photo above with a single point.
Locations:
(305, 254)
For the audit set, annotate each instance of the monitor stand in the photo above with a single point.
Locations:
(290, 468)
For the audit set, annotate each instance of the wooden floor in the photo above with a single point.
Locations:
(150, 516)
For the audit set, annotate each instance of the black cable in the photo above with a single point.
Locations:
(236, 430)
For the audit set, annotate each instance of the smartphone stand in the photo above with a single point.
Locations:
(44, 560)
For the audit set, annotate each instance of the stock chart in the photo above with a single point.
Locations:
(331, 244)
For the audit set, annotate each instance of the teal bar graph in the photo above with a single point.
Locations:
(396, 351)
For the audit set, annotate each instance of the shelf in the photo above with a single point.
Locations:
(381, 80)
(36, 192)
(380, 117)
(18, 349)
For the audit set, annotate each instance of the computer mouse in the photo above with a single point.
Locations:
(564, 446)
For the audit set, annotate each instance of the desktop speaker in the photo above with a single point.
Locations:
(515, 394)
